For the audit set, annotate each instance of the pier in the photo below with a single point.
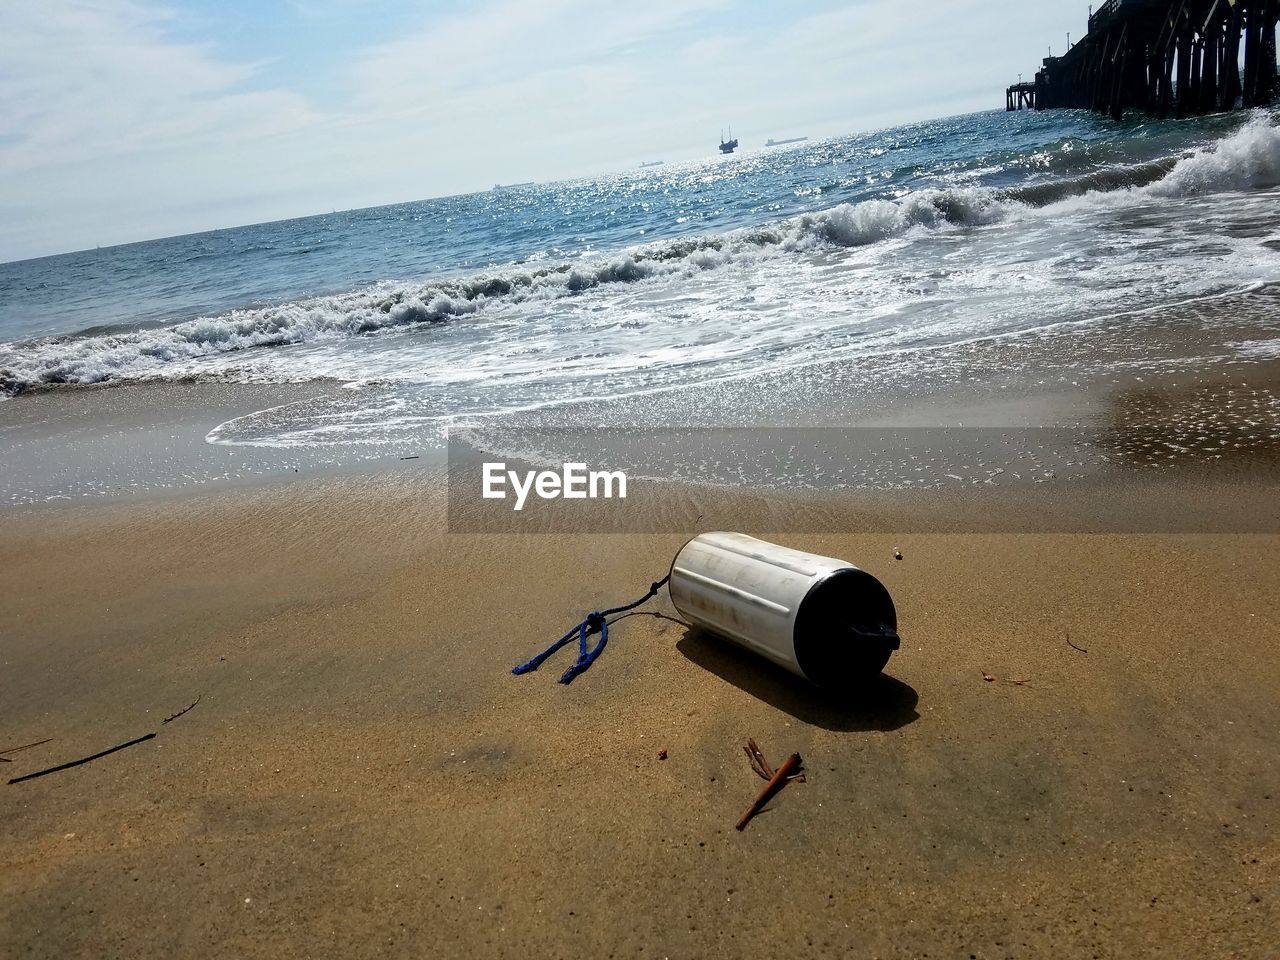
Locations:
(1021, 96)
(1165, 57)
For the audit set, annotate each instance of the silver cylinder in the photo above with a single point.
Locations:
(820, 618)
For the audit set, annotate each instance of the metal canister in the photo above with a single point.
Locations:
(820, 618)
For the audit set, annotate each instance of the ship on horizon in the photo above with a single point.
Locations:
(730, 145)
(513, 186)
(777, 143)
(653, 163)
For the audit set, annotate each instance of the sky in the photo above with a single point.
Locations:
(124, 120)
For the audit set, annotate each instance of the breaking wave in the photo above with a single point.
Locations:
(1119, 177)
(1247, 159)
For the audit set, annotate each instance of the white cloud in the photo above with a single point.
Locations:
(86, 79)
(509, 41)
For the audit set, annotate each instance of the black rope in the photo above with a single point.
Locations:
(76, 763)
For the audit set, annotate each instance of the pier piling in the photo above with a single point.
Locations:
(1165, 57)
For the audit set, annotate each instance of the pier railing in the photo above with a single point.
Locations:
(1103, 14)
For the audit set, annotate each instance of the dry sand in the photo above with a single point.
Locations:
(363, 777)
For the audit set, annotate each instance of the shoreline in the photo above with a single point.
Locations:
(1188, 399)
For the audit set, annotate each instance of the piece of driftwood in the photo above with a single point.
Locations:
(75, 763)
(1073, 646)
(791, 766)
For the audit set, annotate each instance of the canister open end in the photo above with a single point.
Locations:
(846, 630)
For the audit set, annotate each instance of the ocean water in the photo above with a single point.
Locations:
(891, 252)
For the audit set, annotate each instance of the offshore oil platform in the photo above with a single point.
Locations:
(1165, 57)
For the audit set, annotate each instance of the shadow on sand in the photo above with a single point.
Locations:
(882, 704)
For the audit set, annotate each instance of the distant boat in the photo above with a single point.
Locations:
(778, 143)
(513, 186)
(730, 145)
(652, 163)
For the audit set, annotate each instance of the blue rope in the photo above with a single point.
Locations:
(595, 623)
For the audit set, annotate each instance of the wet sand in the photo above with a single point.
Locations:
(363, 777)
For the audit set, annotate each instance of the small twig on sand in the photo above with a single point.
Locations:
(185, 710)
(1073, 646)
(760, 765)
(993, 679)
(25, 746)
(76, 763)
(781, 776)
(414, 457)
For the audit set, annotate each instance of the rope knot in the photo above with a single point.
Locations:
(596, 622)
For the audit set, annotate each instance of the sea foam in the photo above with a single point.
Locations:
(1249, 159)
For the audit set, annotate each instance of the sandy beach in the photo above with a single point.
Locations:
(362, 776)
